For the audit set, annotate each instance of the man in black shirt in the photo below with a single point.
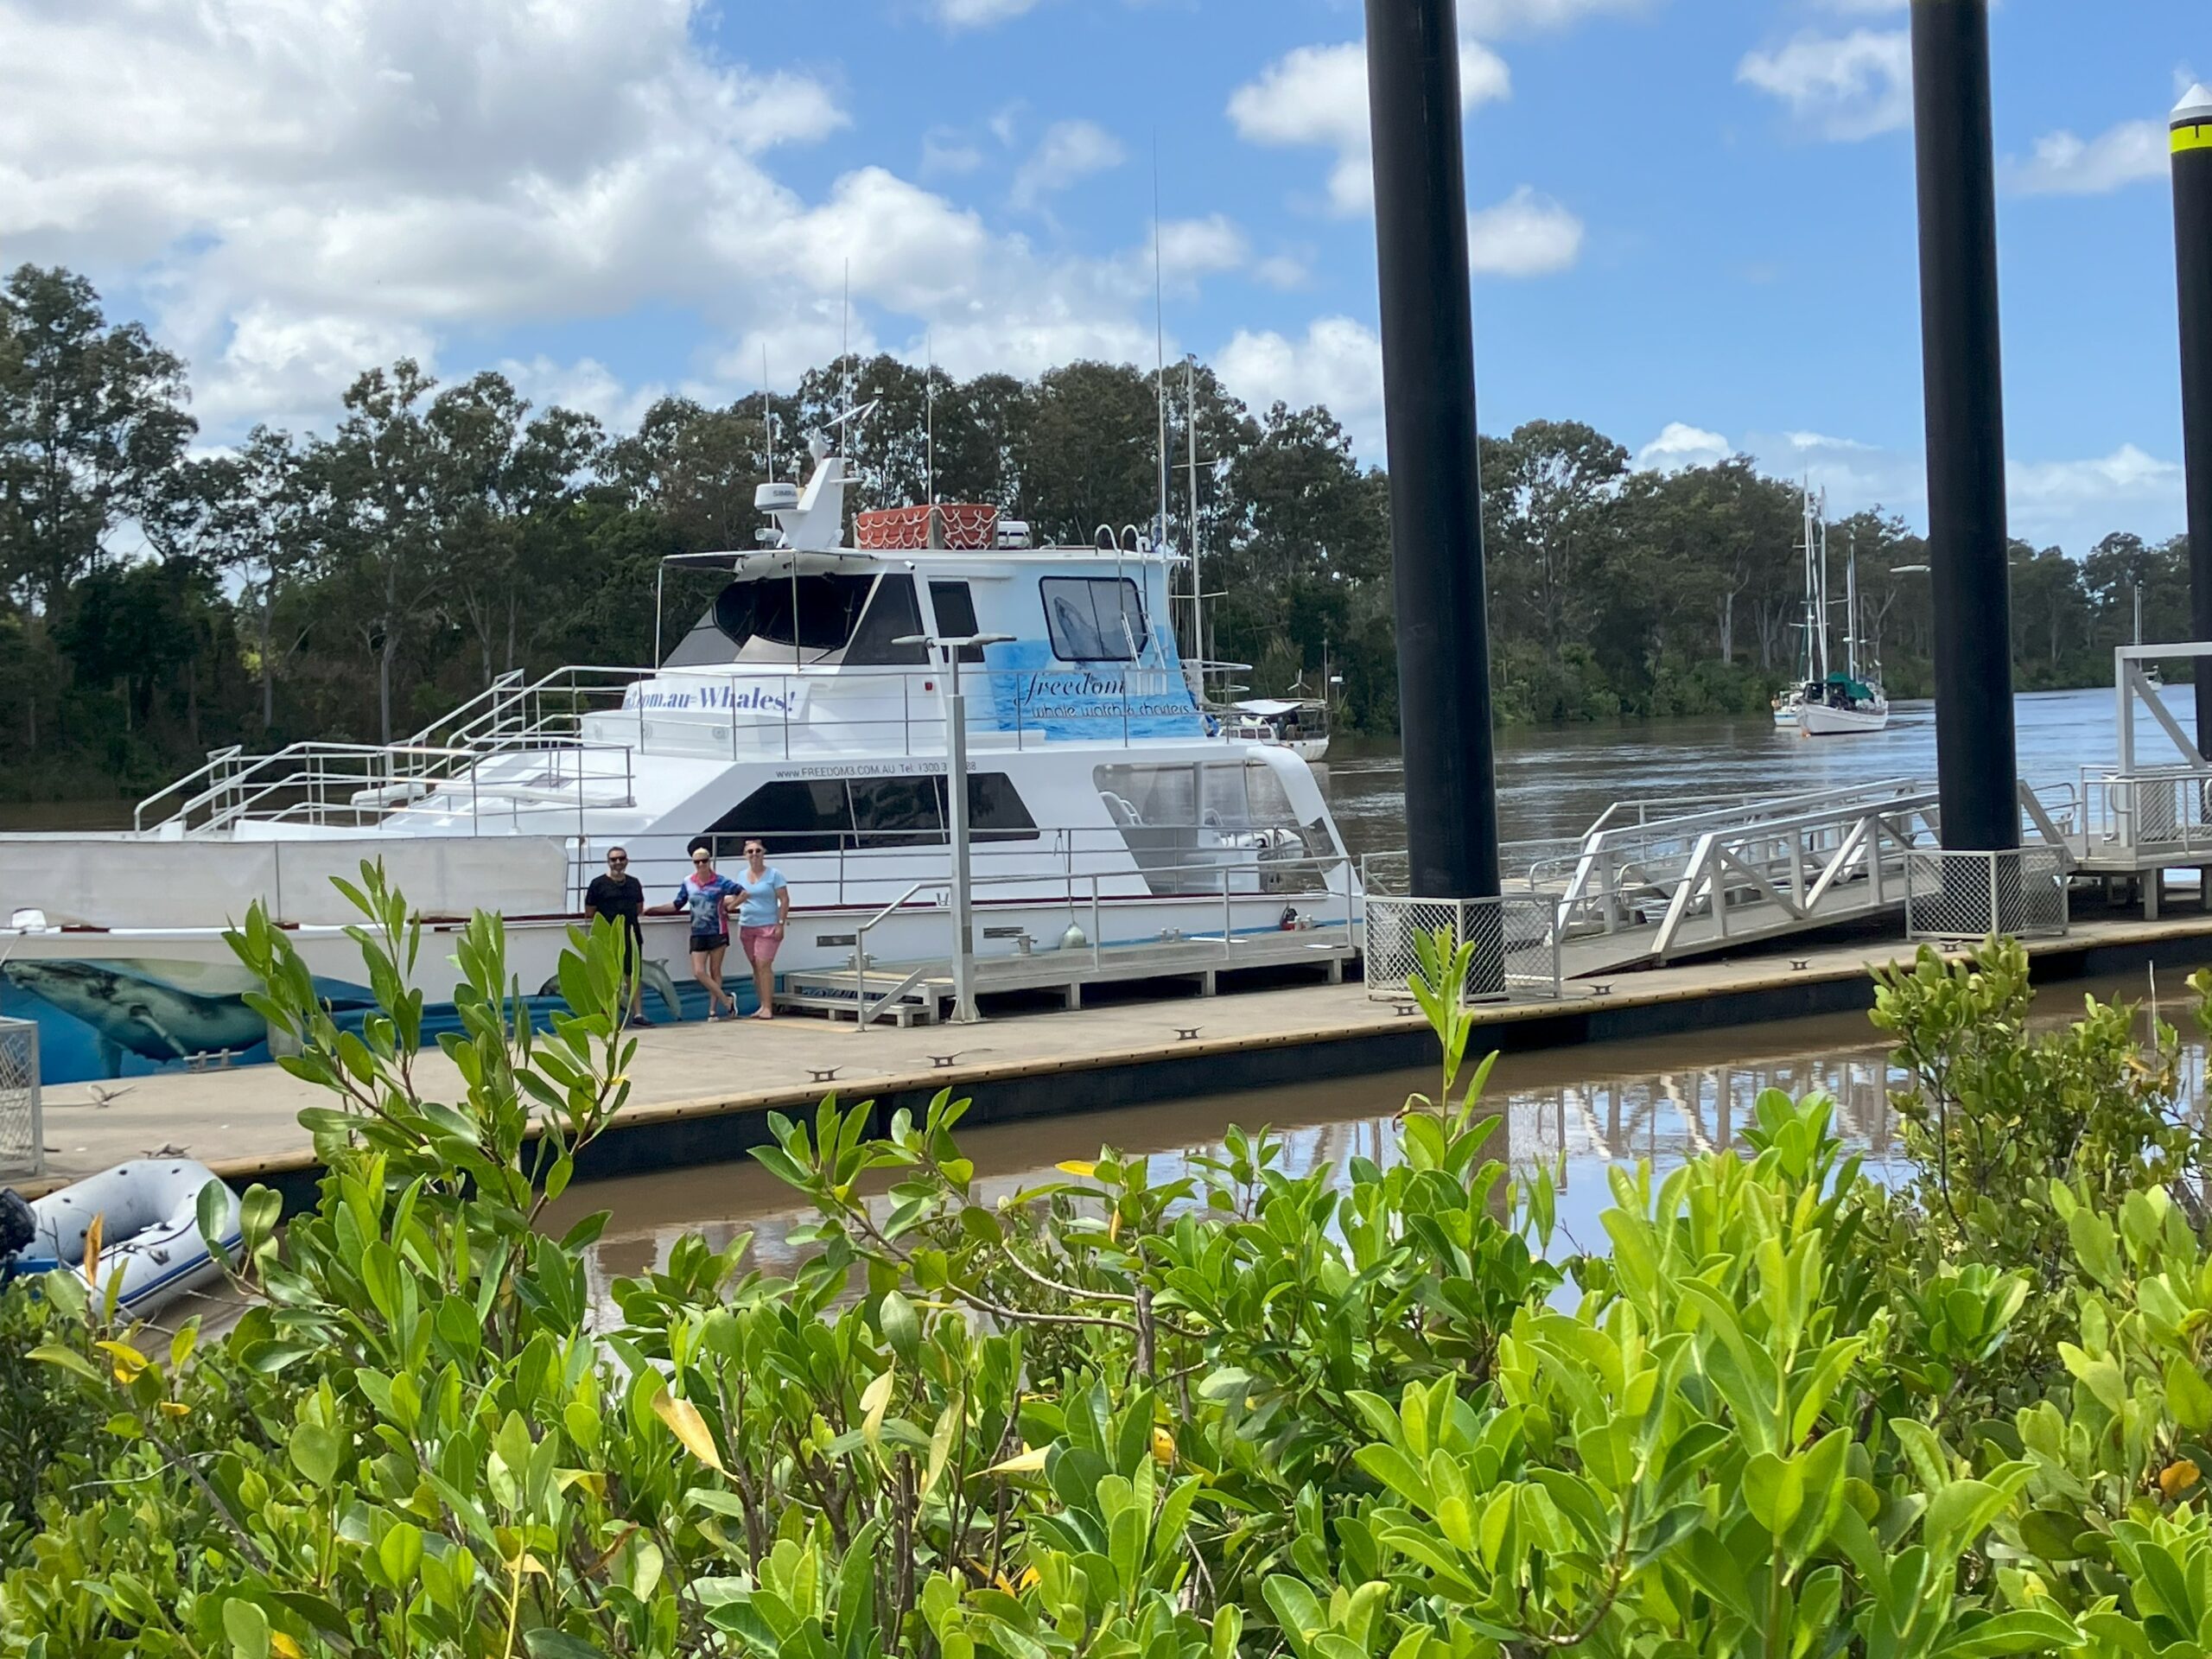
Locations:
(621, 897)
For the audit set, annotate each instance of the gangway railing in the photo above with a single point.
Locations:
(2164, 812)
(1783, 867)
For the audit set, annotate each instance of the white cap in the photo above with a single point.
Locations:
(2195, 109)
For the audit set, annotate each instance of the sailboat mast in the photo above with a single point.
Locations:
(1198, 587)
(1822, 556)
(1850, 605)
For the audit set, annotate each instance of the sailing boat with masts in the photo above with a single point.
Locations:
(1850, 703)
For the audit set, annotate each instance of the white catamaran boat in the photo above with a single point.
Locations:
(807, 706)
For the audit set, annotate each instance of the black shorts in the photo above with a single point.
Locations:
(703, 942)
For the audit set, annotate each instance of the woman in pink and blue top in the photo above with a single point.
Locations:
(762, 917)
(707, 896)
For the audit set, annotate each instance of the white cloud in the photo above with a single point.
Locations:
(1844, 87)
(2071, 504)
(2126, 480)
(2065, 165)
(1202, 247)
(947, 153)
(1070, 152)
(1338, 363)
(1525, 235)
(1285, 271)
(306, 187)
(1492, 19)
(1680, 445)
(1315, 97)
(980, 14)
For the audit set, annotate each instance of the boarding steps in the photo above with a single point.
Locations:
(909, 994)
(1638, 895)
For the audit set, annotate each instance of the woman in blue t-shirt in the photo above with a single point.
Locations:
(762, 917)
(707, 896)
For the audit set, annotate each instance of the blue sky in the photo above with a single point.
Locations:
(1694, 218)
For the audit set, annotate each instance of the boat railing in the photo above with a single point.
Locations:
(746, 711)
(737, 713)
(358, 786)
(1333, 876)
(853, 868)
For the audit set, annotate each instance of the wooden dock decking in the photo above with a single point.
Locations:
(699, 1091)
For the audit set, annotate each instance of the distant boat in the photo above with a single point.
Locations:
(1790, 708)
(1301, 726)
(1844, 708)
(1850, 703)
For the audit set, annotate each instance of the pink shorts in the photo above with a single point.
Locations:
(760, 943)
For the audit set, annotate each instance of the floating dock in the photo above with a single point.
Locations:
(702, 1092)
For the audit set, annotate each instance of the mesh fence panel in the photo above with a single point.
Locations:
(1954, 895)
(23, 1149)
(1517, 944)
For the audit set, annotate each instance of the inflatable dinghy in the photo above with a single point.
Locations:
(149, 1232)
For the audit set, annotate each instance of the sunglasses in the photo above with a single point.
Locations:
(703, 859)
(617, 861)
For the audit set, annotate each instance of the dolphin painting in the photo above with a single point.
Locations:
(655, 973)
(136, 1015)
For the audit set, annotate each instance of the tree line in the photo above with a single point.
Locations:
(160, 597)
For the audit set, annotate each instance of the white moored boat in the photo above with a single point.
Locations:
(1831, 704)
(1845, 706)
(802, 707)
(1301, 726)
(151, 1248)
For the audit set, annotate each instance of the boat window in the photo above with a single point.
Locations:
(898, 812)
(893, 615)
(1094, 619)
(996, 811)
(870, 812)
(1184, 824)
(956, 616)
(793, 817)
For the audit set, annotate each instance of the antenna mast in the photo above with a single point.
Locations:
(1159, 339)
(767, 417)
(929, 417)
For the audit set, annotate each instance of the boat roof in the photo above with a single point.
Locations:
(1268, 707)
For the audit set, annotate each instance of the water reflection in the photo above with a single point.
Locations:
(1578, 1111)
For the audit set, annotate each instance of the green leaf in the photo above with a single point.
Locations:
(53, 1353)
(2029, 1632)
(1774, 1489)
(247, 1627)
(316, 1453)
(901, 1325)
(558, 1644)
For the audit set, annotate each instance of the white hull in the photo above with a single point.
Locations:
(1822, 719)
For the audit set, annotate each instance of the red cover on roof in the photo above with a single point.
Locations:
(962, 528)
